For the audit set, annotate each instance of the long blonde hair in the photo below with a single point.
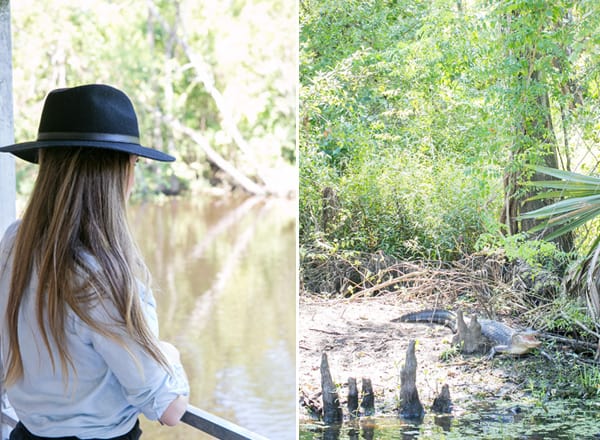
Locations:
(78, 207)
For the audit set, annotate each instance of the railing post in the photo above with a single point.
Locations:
(7, 163)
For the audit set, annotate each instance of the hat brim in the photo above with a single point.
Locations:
(29, 150)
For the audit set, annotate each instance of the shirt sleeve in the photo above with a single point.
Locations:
(148, 307)
(145, 383)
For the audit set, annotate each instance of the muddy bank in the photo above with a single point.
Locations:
(361, 341)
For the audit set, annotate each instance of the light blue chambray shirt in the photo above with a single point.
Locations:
(109, 389)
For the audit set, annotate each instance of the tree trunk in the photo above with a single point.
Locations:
(534, 139)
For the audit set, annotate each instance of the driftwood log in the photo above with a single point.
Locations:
(410, 405)
(332, 411)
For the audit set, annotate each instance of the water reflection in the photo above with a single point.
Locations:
(443, 421)
(559, 419)
(227, 271)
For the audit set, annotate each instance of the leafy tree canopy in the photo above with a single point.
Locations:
(421, 117)
(214, 74)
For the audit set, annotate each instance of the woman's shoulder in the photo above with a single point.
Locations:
(9, 236)
(12, 229)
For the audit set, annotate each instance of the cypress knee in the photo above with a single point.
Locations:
(368, 398)
(410, 405)
(352, 397)
(442, 403)
(469, 338)
(332, 411)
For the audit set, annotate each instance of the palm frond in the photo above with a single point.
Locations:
(580, 201)
(564, 206)
(568, 176)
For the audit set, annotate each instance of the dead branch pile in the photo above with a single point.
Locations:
(491, 278)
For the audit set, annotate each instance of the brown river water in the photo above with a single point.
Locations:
(226, 276)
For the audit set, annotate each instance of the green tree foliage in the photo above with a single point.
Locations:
(417, 118)
(214, 74)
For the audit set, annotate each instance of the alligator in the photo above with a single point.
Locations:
(504, 338)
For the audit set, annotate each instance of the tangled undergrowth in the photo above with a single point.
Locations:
(489, 284)
(497, 285)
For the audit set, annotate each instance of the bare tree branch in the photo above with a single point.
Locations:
(204, 74)
(239, 177)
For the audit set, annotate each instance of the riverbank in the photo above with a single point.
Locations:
(361, 341)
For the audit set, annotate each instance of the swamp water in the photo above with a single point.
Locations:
(569, 420)
(226, 272)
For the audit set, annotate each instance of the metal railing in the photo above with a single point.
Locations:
(5, 419)
(195, 417)
(216, 426)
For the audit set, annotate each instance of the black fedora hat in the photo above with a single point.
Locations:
(94, 116)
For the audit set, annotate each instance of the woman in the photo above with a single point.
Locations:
(79, 346)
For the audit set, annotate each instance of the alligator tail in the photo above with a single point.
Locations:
(433, 316)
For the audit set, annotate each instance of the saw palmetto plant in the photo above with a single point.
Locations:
(578, 204)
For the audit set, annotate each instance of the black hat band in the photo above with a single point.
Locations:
(102, 137)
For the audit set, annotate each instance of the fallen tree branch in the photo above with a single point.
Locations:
(383, 285)
(579, 324)
(206, 77)
(569, 341)
(240, 178)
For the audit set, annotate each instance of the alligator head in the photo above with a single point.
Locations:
(522, 342)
